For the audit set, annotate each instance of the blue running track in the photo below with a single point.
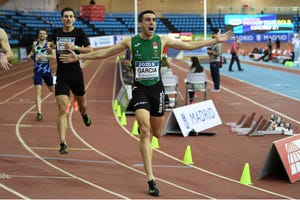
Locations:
(284, 83)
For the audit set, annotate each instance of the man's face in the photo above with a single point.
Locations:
(148, 25)
(42, 35)
(68, 18)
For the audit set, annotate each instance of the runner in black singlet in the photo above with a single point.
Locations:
(69, 75)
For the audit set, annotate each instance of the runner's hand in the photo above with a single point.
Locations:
(4, 62)
(69, 58)
(224, 37)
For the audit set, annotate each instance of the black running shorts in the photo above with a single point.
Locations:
(151, 98)
(65, 84)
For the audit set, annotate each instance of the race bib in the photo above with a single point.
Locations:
(41, 58)
(146, 70)
(60, 43)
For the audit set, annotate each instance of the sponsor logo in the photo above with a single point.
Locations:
(235, 21)
(185, 121)
(293, 152)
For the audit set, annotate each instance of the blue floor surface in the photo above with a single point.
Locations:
(284, 83)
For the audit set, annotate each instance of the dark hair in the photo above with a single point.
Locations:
(42, 29)
(196, 64)
(67, 9)
(141, 15)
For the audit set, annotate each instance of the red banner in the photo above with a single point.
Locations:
(93, 12)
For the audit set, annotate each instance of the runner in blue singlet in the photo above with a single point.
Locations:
(41, 53)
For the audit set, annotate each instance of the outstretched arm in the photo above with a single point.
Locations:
(80, 49)
(99, 54)
(220, 38)
(4, 58)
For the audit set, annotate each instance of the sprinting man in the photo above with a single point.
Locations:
(148, 91)
(41, 53)
(69, 75)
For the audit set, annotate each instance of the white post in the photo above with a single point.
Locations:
(135, 16)
(205, 20)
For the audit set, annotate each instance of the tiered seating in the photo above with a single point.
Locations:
(194, 22)
(186, 22)
(110, 26)
(20, 23)
(217, 20)
(54, 20)
(11, 28)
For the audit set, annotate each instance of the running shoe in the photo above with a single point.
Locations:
(39, 117)
(153, 191)
(87, 119)
(63, 148)
(215, 90)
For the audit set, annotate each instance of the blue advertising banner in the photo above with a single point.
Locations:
(259, 28)
(263, 37)
(260, 24)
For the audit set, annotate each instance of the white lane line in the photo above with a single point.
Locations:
(220, 176)
(41, 177)
(129, 167)
(30, 125)
(56, 148)
(203, 170)
(118, 162)
(163, 166)
(130, 135)
(4, 176)
(16, 81)
(58, 159)
(29, 101)
(262, 106)
(14, 73)
(17, 94)
(18, 134)
(250, 100)
(13, 191)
